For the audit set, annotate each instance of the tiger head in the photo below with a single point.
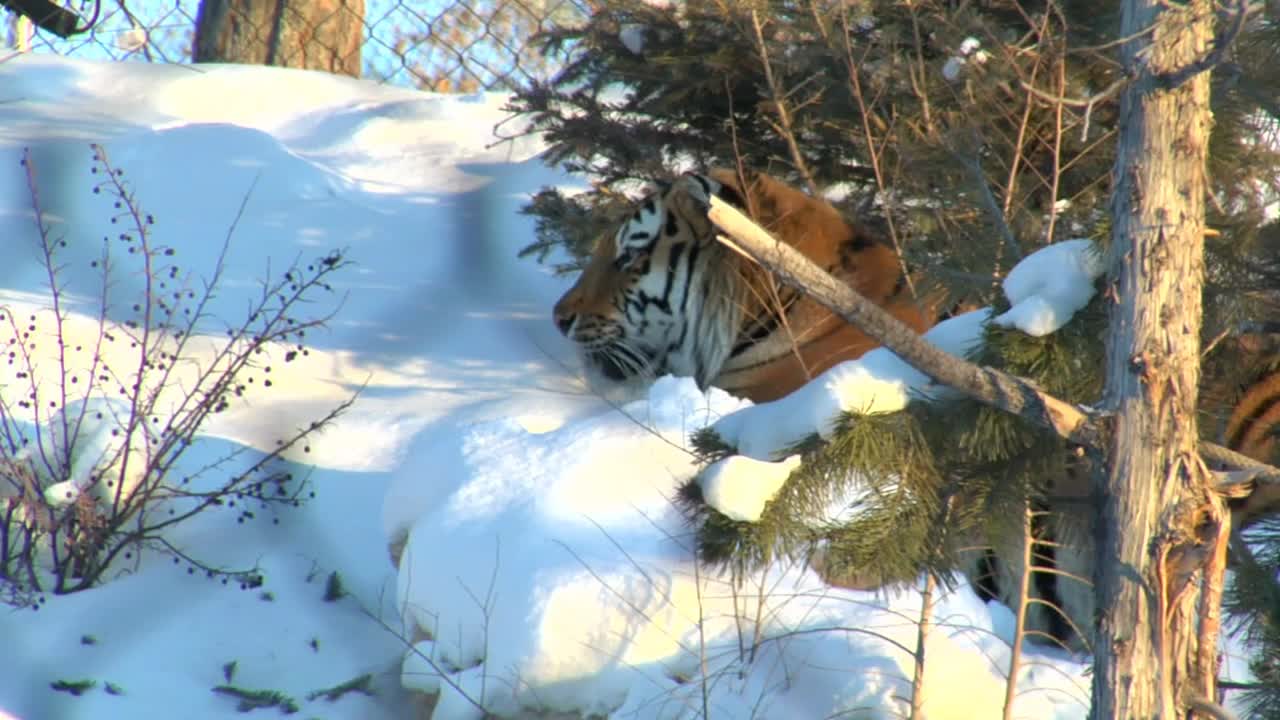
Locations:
(662, 296)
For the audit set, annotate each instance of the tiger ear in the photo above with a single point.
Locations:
(731, 186)
(690, 199)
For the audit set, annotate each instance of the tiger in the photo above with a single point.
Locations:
(661, 296)
(1251, 428)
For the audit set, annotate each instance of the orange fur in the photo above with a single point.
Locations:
(843, 342)
(1251, 428)
(850, 252)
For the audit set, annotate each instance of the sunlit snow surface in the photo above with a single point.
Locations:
(552, 571)
(541, 552)
(438, 325)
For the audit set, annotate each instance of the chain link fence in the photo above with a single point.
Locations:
(441, 45)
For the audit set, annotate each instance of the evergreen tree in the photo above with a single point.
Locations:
(955, 127)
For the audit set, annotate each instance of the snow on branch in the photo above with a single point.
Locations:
(1044, 290)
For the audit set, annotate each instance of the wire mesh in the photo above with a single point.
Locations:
(442, 45)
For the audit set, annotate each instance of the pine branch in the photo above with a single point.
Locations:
(1260, 486)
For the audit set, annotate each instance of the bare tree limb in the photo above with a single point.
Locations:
(1088, 103)
(1254, 485)
(1105, 94)
(922, 638)
(972, 163)
(1230, 459)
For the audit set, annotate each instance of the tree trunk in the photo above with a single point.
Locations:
(1162, 530)
(309, 34)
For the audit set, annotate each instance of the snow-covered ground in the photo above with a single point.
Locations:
(441, 325)
(541, 553)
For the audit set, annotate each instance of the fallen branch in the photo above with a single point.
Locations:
(1258, 472)
(993, 387)
(1257, 483)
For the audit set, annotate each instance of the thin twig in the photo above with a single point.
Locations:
(1106, 94)
(1020, 613)
(978, 176)
(784, 125)
(922, 638)
(1056, 177)
(772, 298)
(445, 676)
(1028, 106)
(1087, 103)
(873, 154)
(917, 72)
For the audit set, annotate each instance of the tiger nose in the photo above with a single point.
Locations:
(564, 320)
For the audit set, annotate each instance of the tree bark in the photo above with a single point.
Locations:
(1162, 533)
(308, 34)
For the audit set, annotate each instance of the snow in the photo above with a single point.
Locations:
(533, 522)
(1050, 286)
(437, 326)
(569, 584)
(740, 486)
(542, 562)
(952, 67)
(102, 445)
(878, 382)
(132, 40)
(969, 51)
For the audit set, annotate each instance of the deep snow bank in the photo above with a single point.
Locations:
(550, 570)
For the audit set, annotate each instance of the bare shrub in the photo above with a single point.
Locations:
(97, 410)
